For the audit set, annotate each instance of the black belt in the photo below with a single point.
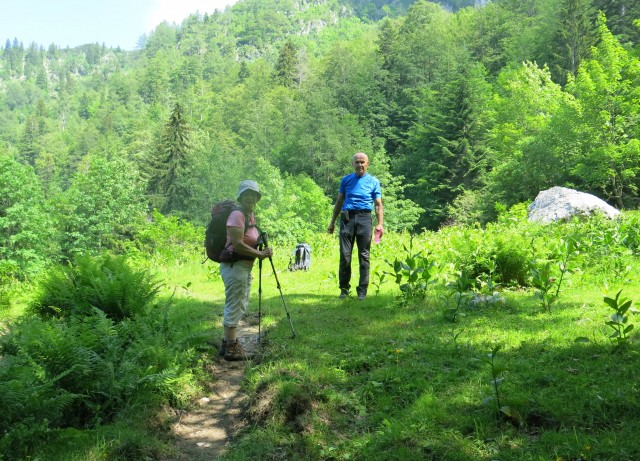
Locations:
(352, 213)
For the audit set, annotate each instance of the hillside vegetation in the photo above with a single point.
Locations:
(460, 108)
(485, 337)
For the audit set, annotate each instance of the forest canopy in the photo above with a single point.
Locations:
(463, 107)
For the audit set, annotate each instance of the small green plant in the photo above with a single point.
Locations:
(543, 277)
(487, 280)
(496, 381)
(459, 294)
(620, 319)
(378, 278)
(454, 338)
(566, 252)
(544, 282)
(413, 274)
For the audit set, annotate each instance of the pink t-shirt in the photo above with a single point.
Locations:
(236, 219)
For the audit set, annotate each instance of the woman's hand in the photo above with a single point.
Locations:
(266, 253)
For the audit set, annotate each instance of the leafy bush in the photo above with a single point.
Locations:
(105, 282)
(629, 223)
(169, 239)
(292, 208)
(102, 208)
(7, 281)
(467, 249)
(513, 259)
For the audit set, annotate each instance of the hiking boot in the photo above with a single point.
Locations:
(343, 295)
(235, 352)
(222, 348)
(362, 297)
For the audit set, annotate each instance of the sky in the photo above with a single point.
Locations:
(77, 22)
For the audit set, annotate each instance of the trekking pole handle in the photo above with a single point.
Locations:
(262, 240)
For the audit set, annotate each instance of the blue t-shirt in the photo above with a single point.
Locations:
(359, 192)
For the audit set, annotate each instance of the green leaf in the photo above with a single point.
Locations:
(611, 302)
(624, 307)
(487, 400)
(508, 411)
(618, 318)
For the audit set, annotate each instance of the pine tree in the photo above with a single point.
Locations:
(573, 39)
(445, 147)
(29, 142)
(620, 19)
(168, 172)
(284, 72)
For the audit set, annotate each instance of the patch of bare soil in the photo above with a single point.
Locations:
(205, 431)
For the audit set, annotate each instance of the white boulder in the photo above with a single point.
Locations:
(560, 203)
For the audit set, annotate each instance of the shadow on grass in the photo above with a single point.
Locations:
(372, 367)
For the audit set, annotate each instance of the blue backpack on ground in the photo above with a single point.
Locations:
(300, 258)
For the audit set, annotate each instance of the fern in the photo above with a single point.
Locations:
(106, 282)
(90, 355)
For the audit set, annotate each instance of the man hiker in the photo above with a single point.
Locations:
(358, 195)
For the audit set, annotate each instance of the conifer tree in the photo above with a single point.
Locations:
(621, 15)
(168, 171)
(29, 145)
(573, 39)
(444, 152)
(284, 72)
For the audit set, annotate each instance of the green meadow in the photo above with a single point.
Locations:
(512, 342)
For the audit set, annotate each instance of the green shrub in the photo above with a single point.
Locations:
(168, 239)
(513, 259)
(105, 282)
(27, 234)
(84, 372)
(629, 223)
(7, 280)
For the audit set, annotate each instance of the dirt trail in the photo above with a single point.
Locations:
(204, 432)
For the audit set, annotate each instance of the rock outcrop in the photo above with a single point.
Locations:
(560, 203)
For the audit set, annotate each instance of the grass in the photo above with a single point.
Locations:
(389, 380)
(373, 380)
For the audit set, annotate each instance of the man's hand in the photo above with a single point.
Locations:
(379, 231)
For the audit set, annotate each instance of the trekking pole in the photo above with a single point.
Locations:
(259, 298)
(263, 238)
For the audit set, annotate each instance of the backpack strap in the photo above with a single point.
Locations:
(234, 255)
